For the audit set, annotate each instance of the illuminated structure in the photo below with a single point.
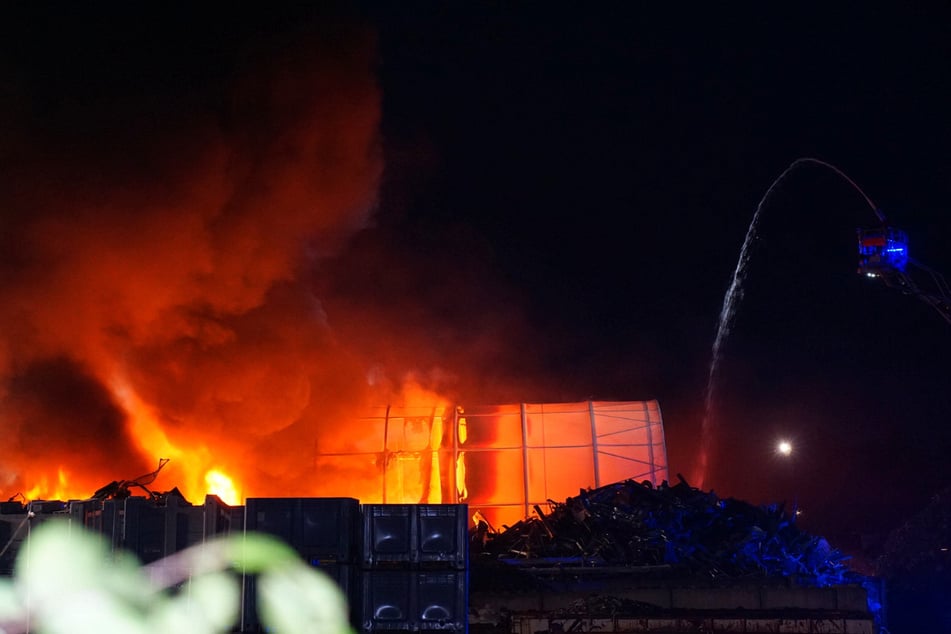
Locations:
(501, 460)
(883, 254)
(882, 250)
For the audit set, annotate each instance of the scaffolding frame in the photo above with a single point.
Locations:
(540, 446)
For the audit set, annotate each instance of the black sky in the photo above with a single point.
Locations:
(565, 191)
(612, 156)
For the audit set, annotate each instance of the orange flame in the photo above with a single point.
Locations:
(44, 490)
(196, 304)
(220, 484)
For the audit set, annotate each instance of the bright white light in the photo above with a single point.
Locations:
(784, 447)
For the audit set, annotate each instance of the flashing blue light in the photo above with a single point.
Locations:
(885, 248)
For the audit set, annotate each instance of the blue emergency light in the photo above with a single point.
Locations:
(882, 250)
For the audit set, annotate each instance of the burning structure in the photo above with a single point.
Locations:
(508, 517)
(500, 459)
(200, 289)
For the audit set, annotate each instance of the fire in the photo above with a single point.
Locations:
(462, 492)
(191, 465)
(159, 292)
(44, 490)
(183, 279)
(220, 484)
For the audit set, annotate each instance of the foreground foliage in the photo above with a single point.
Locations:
(69, 581)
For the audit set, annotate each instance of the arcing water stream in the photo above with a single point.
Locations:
(731, 302)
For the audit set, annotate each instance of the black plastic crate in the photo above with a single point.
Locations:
(48, 507)
(143, 529)
(12, 508)
(442, 535)
(388, 534)
(11, 534)
(345, 576)
(442, 600)
(220, 518)
(152, 532)
(317, 528)
(414, 600)
(96, 516)
(423, 535)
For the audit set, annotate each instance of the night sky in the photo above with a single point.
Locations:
(607, 162)
(561, 197)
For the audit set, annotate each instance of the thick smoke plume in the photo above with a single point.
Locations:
(164, 205)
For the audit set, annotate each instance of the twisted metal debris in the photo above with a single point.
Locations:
(632, 523)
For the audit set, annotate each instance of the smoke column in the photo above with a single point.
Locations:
(165, 202)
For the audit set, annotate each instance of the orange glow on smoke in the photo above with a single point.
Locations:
(201, 280)
(159, 287)
(172, 288)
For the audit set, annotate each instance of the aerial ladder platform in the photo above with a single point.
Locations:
(883, 254)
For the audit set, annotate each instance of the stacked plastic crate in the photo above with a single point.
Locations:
(149, 529)
(12, 520)
(324, 533)
(415, 567)
(221, 519)
(153, 531)
(16, 522)
(99, 516)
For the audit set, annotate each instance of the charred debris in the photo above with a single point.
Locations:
(660, 531)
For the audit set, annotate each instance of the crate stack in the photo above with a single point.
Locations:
(415, 567)
(324, 533)
(220, 519)
(402, 567)
(101, 517)
(154, 529)
(12, 518)
(16, 522)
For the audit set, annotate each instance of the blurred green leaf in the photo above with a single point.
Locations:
(59, 558)
(69, 581)
(256, 552)
(297, 599)
(207, 604)
(10, 605)
(89, 611)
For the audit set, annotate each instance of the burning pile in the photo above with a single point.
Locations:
(677, 527)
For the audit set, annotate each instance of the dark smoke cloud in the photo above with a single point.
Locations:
(164, 193)
(54, 410)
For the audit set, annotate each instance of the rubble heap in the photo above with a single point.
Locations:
(633, 523)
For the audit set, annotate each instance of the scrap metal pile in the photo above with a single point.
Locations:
(680, 527)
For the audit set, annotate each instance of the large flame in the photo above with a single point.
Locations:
(157, 294)
(185, 275)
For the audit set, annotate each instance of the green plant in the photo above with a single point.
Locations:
(69, 581)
